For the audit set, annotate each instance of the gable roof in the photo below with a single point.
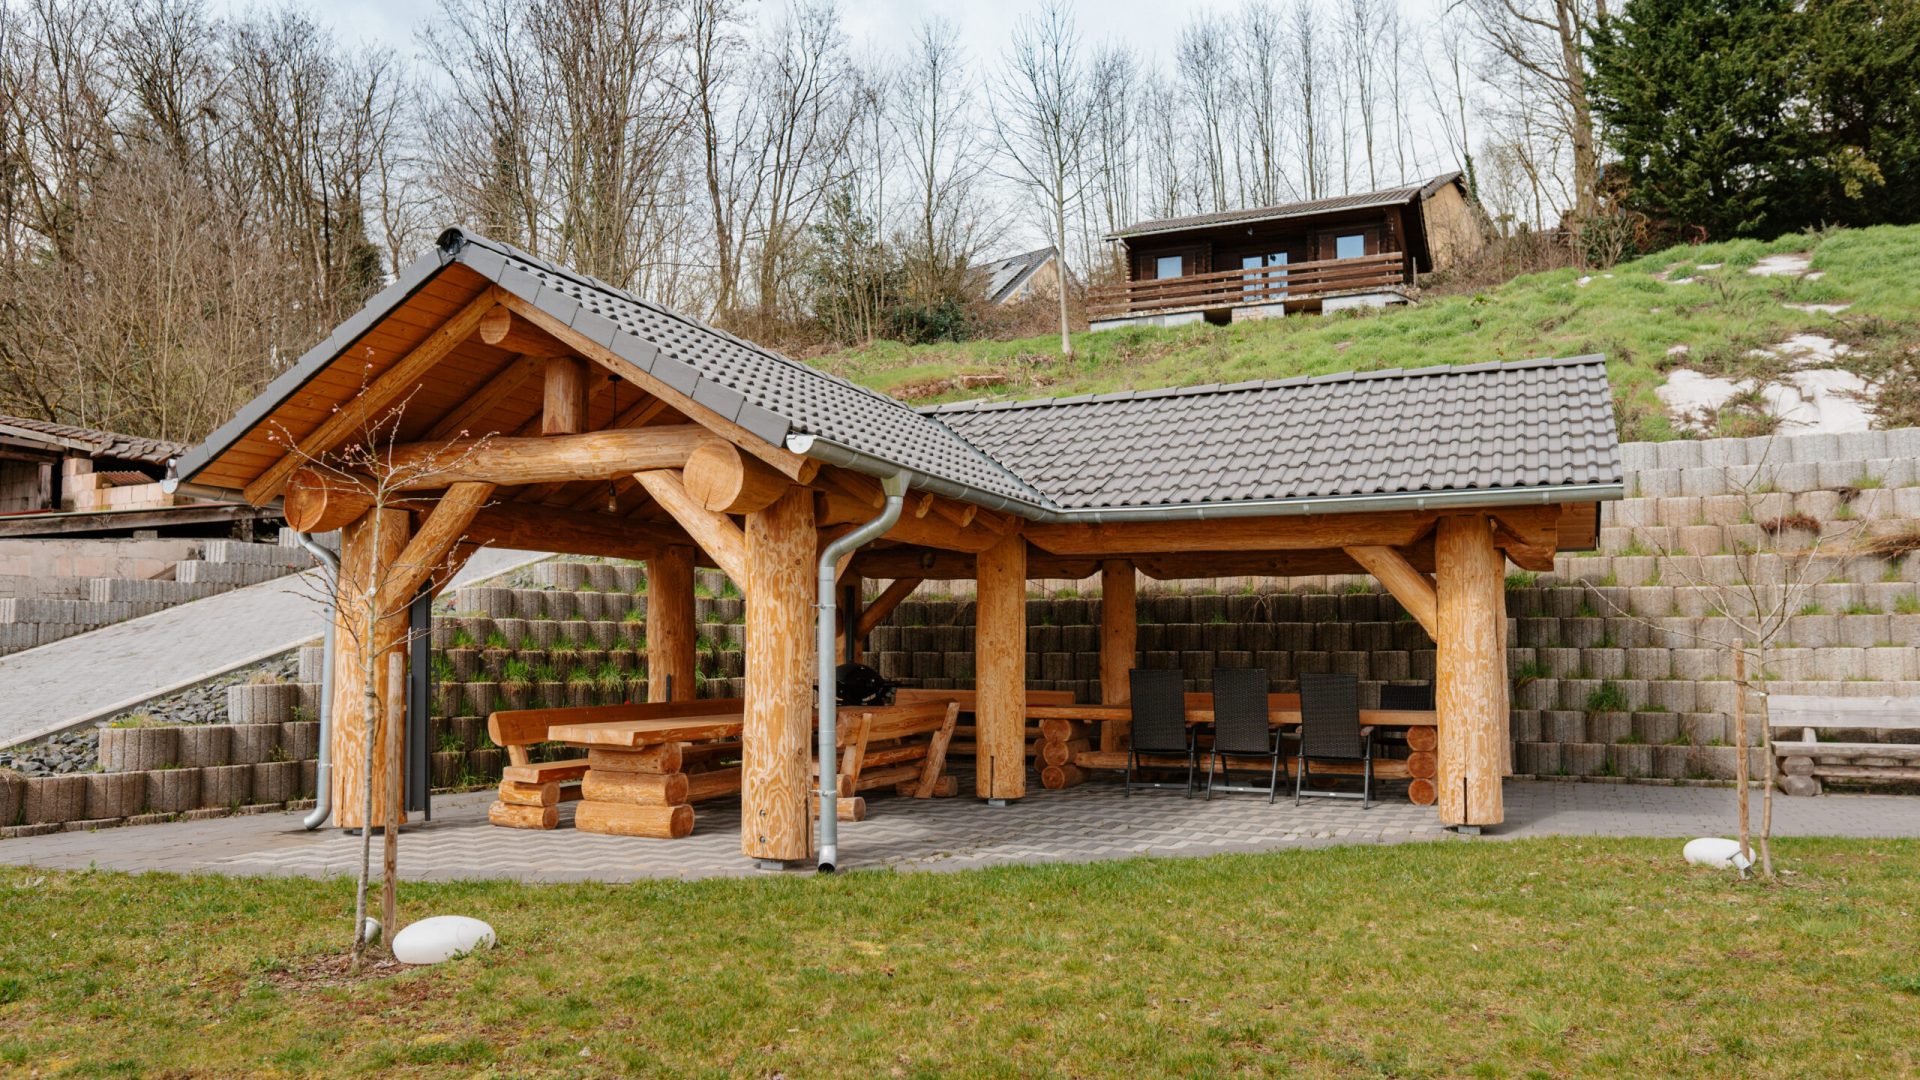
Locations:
(1463, 435)
(90, 441)
(1005, 277)
(1308, 208)
(1481, 428)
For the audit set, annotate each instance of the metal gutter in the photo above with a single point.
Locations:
(895, 486)
(323, 770)
(832, 453)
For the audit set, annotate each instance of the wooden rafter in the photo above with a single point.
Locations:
(716, 533)
(1412, 588)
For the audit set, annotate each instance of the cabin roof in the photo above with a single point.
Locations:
(1484, 427)
(92, 442)
(1006, 276)
(1462, 430)
(1309, 208)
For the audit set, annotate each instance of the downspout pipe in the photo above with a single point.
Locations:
(894, 486)
(323, 771)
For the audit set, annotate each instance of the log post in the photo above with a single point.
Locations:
(775, 748)
(1471, 662)
(564, 410)
(670, 633)
(1000, 671)
(363, 566)
(1119, 632)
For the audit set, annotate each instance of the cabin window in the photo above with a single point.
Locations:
(1351, 246)
(1167, 266)
(1264, 282)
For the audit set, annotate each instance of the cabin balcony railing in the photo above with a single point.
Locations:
(1254, 285)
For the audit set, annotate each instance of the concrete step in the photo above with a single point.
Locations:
(230, 574)
(1786, 449)
(282, 556)
(1647, 509)
(106, 590)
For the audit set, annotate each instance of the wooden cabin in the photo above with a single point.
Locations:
(66, 480)
(1321, 255)
(501, 399)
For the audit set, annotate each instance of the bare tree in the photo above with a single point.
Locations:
(945, 162)
(1043, 123)
(1202, 57)
(1261, 64)
(1114, 82)
(1361, 33)
(1304, 44)
(1543, 42)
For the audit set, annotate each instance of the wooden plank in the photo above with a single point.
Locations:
(936, 764)
(633, 734)
(522, 727)
(715, 533)
(1000, 659)
(714, 784)
(774, 822)
(1801, 710)
(515, 793)
(1901, 751)
(670, 626)
(545, 772)
(370, 406)
(876, 613)
(462, 422)
(1471, 672)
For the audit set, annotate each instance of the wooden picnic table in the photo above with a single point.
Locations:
(638, 734)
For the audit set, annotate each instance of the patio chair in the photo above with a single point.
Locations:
(1159, 725)
(1330, 731)
(1413, 697)
(1241, 728)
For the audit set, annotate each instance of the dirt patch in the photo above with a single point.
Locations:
(334, 970)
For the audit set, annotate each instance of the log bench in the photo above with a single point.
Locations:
(903, 746)
(964, 739)
(530, 791)
(1806, 761)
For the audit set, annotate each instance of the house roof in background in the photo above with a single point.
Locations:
(1484, 427)
(90, 441)
(1005, 277)
(1363, 201)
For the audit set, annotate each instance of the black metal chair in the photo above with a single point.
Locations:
(1241, 729)
(1159, 724)
(1330, 730)
(1409, 697)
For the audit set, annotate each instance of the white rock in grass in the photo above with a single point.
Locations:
(442, 937)
(1716, 852)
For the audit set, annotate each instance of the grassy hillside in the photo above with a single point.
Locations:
(1633, 314)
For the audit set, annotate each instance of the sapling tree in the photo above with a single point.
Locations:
(1751, 598)
(374, 472)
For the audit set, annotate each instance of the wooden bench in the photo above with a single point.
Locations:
(530, 791)
(903, 746)
(1805, 761)
(964, 744)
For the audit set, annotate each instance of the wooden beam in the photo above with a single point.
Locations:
(321, 500)
(539, 528)
(1529, 535)
(501, 330)
(725, 480)
(1412, 588)
(509, 461)
(1470, 672)
(1391, 528)
(799, 469)
(715, 533)
(934, 564)
(1000, 671)
(670, 629)
(563, 408)
(370, 548)
(876, 613)
(368, 406)
(1119, 634)
(775, 746)
(459, 423)
(427, 552)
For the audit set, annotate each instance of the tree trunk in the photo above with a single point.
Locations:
(1060, 267)
(1740, 776)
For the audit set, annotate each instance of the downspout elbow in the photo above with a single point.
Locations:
(895, 489)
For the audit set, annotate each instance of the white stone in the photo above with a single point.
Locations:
(441, 937)
(1717, 852)
(1793, 264)
(1819, 309)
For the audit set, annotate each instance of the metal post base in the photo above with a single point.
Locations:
(996, 802)
(779, 864)
(1466, 830)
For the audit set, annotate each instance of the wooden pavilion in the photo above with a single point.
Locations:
(537, 408)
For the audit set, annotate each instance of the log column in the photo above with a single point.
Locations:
(670, 634)
(1000, 671)
(1470, 690)
(775, 748)
(366, 562)
(1119, 634)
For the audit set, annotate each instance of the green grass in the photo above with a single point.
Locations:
(1632, 317)
(1568, 957)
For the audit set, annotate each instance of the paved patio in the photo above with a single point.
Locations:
(1095, 821)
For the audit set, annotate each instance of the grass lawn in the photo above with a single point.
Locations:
(1633, 313)
(1531, 958)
